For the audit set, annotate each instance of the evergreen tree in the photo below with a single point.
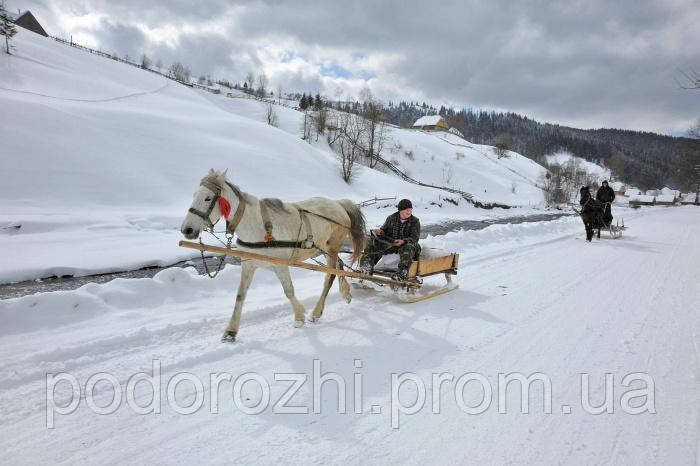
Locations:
(303, 103)
(7, 27)
(317, 102)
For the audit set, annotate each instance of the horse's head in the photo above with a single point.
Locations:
(585, 192)
(208, 206)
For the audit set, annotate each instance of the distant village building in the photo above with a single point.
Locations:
(457, 132)
(641, 199)
(665, 199)
(29, 22)
(674, 192)
(431, 123)
(633, 192)
(688, 198)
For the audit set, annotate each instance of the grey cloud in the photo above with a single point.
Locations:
(589, 63)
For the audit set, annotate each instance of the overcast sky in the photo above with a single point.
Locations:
(583, 63)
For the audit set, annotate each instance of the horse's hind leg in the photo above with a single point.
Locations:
(247, 271)
(286, 281)
(331, 262)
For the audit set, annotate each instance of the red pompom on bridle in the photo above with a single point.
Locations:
(224, 207)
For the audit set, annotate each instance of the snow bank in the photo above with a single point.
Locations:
(99, 160)
(45, 310)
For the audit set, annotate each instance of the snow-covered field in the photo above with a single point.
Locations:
(99, 160)
(533, 298)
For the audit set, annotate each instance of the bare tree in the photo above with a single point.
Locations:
(159, 65)
(262, 85)
(271, 116)
(689, 163)
(279, 93)
(145, 62)
(338, 95)
(321, 120)
(373, 114)
(307, 126)
(691, 78)
(250, 80)
(179, 72)
(347, 144)
(502, 145)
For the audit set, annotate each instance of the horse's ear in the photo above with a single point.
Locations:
(224, 173)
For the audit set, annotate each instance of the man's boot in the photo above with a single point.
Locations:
(401, 274)
(367, 268)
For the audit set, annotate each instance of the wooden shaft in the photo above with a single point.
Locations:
(292, 263)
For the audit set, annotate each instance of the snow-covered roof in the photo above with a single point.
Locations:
(688, 197)
(428, 120)
(673, 192)
(616, 185)
(632, 192)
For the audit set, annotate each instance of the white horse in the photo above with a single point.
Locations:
(277, 229)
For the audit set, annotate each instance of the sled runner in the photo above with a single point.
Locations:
(405, 290)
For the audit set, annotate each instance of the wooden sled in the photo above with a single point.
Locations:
(405, 290)
(419, 269)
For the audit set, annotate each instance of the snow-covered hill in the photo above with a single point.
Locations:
(99, 160)
(593, 169)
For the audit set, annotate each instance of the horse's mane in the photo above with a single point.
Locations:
(219, 179)
(274, 204)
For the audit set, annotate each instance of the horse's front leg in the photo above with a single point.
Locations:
(247, 271)
(286, 281)
(589, 231)
(331, 262)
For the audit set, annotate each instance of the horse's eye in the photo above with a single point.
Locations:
(207, 199)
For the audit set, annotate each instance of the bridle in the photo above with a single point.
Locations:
(225, 206)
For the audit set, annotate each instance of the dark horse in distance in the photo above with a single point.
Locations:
(592, 213)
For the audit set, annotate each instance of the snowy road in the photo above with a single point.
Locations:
(532, 298)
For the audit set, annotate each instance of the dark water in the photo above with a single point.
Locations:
(14, 290)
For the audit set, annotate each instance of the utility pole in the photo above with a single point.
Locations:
(697, 184)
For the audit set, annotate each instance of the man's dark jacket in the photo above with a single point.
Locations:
(605, 194)
(409, 231)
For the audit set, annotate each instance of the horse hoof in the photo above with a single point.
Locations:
(298, 323)
(314, 319)
(228, 337)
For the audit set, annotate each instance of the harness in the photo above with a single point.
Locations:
(269, 240)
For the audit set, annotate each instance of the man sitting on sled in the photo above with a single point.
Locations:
(398, 235)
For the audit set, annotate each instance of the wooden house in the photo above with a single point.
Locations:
(431, 123)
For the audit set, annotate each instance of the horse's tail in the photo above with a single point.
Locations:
(357, 228)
